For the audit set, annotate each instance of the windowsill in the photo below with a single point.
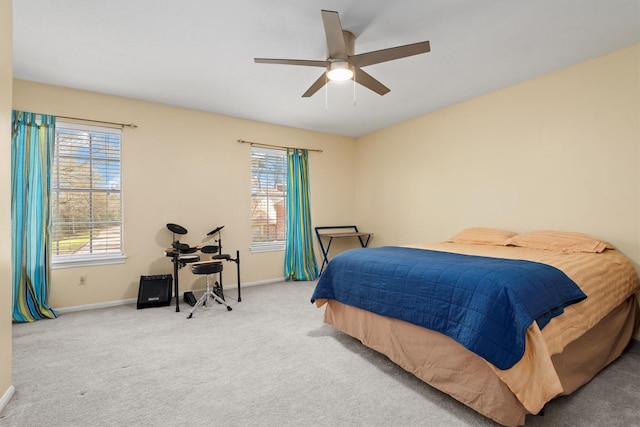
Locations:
(71, 261)
(266, 249)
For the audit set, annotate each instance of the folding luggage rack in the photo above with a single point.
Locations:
(336, 235)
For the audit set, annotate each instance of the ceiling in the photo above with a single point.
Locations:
(199, 54)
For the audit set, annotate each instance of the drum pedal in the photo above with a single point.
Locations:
(217, 289)
(189, 298)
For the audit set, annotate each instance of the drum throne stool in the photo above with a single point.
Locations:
(209, 268)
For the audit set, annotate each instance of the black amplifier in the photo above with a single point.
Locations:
(155, 291)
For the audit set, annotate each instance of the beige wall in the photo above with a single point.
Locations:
(185, 166)
(561, 151)
(5, 207)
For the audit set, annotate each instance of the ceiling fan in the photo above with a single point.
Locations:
(342, 64)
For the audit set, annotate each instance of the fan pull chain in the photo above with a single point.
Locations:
(326, 92)
(354, 89)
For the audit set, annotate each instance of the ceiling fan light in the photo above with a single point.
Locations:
(339, 71)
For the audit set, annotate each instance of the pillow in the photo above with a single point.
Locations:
(483, 236)
(561, 241)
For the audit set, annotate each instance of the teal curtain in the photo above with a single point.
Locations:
(299, 259)
(32, 140)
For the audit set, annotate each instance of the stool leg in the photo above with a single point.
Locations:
(205, 299)
(221, 301)
(195, 307)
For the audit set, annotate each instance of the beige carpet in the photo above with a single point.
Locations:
(269, 362)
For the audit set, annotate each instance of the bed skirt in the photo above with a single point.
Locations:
(446, 365)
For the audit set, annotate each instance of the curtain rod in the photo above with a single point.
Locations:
(258, 144)
(128, 125)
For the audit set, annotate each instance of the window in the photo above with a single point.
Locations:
(86, 197)
(268, 197)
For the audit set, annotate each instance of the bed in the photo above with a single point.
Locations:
(557, 352)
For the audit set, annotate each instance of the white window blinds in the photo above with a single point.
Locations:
(86, 193)
(268, 196)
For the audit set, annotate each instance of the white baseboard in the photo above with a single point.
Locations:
(135, 300)
(4, 401)
(96, 305)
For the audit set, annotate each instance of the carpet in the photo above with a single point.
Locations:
(269, 362)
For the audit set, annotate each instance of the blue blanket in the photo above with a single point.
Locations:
(486, 304)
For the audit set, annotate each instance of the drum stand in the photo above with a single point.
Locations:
(218, 285)
(217, 289)
(179, 260)
(179, 256)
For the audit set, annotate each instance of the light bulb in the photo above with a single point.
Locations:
(339, 71)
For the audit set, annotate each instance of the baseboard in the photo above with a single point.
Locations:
(4, 401)
(96, 305)
(134, 300)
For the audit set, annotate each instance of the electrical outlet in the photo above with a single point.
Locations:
(83, 279)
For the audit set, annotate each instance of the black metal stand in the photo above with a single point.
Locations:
(178, 263)
(237, 261)
(174, 260)
(218, 285)
(177, 250)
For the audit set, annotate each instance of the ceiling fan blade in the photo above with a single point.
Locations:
(369, 82)
(290, 62)
(316, 86)
(384, 55)
(335, 39)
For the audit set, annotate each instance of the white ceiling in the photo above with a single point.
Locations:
(199, 53)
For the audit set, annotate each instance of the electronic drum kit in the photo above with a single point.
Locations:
(182, 254)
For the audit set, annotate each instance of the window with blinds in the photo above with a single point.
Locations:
(86, 208)
(268, 196)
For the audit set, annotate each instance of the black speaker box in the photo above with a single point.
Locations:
(155, 291)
